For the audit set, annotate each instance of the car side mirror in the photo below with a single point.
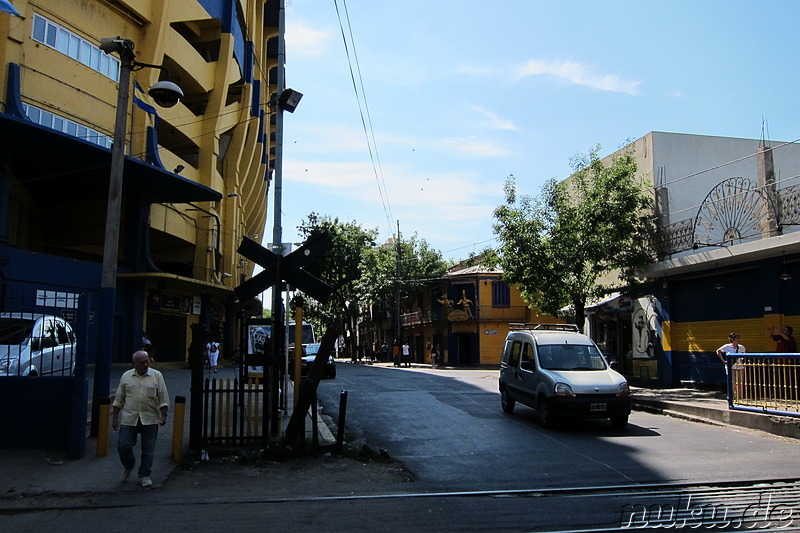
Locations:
(527, 365)
(614, 365)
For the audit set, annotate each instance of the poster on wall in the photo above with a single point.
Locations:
(257, 339)
(646, 329)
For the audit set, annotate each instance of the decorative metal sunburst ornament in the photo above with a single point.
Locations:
(736, 210)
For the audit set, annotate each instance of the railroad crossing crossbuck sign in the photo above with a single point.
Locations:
(289, 268)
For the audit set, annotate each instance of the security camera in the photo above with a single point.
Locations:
(115, 44)
(165, 93)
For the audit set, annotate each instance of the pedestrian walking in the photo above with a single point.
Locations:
(140, 405)
(212, 355)
(406, 354)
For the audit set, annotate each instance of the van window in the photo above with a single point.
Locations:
(513, 360)
(308, 334)
(527, 358)
(570, 357)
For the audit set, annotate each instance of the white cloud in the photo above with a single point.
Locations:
(342, 175)
(579, 74)
(495, 121)
(304, 40)
(325, 138)
(445, 197)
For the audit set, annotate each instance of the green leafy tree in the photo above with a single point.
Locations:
(561, 247)
(339, 267)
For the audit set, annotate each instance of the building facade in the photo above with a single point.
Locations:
(195, 175)
(465, 316)
(727, 212)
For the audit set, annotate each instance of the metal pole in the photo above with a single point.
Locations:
(102, 376)
(277, 232)
(398, 333)
(342, 418)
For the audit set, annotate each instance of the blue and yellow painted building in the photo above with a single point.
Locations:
(196, 175)
(728, 214)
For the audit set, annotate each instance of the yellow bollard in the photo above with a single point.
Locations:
(177, 428)
(103, 412)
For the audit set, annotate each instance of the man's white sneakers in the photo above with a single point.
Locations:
(146, 481)
(125, 475)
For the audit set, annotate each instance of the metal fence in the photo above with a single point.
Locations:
(39, 339)
(768, 383)
(233, 411)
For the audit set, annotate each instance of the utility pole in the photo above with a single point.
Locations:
(273, 416)
(397, 331)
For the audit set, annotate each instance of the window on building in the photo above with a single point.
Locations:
(59, 38)
(501, 294)
(46, 118)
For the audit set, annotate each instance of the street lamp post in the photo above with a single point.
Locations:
(166, 94)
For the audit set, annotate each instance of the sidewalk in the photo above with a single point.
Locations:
(710, 407)
(31, 472)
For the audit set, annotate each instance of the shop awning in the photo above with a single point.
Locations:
(612, 303)
(55, 165)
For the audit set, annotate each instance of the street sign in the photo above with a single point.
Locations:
(289, 267)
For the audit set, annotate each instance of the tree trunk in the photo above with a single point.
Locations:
(580, 312)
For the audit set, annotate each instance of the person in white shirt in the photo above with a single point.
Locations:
(732, 347)
(212, 355)
(140, 405)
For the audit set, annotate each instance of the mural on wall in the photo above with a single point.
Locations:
(460, 311)
(646, 327)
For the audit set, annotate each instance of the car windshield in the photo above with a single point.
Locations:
(571, 357)
(15, 330)
(311, 349)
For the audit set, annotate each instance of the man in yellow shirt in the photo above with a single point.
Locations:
(140, 406)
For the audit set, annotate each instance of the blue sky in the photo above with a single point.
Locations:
(462, 93)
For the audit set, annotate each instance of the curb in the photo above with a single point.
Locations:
(783, 426)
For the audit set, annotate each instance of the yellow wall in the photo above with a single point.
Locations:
(58, 83)
(709, 335)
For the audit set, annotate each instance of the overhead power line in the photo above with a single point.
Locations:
(363, 108)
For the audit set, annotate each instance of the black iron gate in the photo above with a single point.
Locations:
(233, 411)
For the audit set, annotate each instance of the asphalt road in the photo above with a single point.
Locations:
(475, 468)
(447, 427)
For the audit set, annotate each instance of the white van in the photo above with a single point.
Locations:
(36, 345)
(562, 374)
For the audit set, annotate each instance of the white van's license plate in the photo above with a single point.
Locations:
(596, 407)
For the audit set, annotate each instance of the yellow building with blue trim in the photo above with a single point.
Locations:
(196, 175)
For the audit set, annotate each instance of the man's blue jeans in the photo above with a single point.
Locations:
(127, 440)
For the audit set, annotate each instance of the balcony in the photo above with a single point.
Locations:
(518, 313)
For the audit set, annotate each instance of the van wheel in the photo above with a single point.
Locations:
(507, 401)
(619, 422)
(545, 416)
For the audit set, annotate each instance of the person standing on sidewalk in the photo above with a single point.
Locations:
(732, 347)
(784, 339)
(212, 355)
(140, 405)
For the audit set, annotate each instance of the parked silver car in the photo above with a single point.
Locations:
(36, 345)
(562, 374)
